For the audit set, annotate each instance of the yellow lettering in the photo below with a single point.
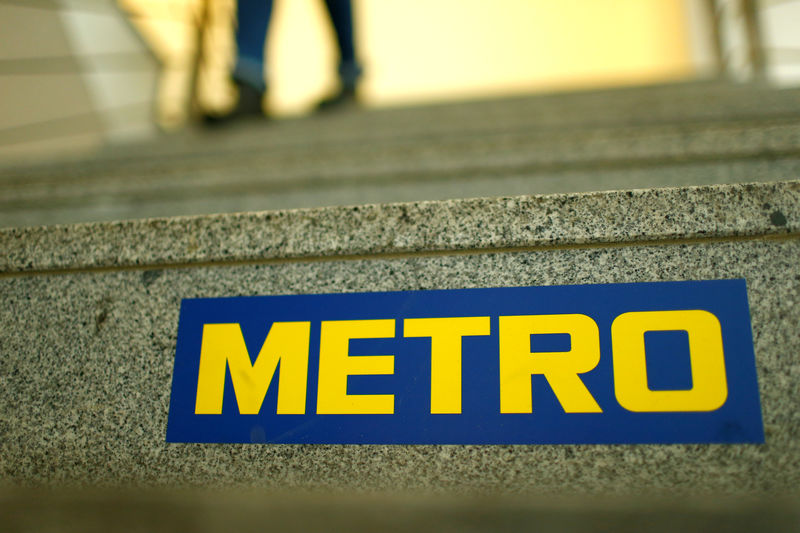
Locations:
(223, 346)
(335, 364)
(709, 382)
(446, 334)
(561, 369)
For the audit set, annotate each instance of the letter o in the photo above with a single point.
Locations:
(709, 382)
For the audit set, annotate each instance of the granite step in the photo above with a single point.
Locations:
(90, 311)
(544, 144)
(90, 318)
(540, 116)
(257, 511)
(683, 103)
(183, 199)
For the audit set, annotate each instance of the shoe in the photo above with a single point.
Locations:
(345, 98)
(249, 106)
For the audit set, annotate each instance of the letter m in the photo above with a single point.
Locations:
(223, 348)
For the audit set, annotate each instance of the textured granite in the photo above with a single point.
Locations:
(228, 179)
(256, 195)
(485, 223)
(86, 356)
(687, 104)
(447, 151)
(387, 160)
(87, 361)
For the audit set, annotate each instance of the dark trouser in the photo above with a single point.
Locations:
(253, 18)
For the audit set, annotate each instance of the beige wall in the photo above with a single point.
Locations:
(60, 91)
(37, 110)
(473, 47)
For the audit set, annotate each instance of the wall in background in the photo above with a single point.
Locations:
(73, 76)
(423, 50)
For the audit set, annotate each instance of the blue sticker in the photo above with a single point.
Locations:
(664, 362)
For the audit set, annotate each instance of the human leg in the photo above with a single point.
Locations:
(248, 74)
(341, 14)
(253, 18)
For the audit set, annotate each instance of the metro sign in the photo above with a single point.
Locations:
(665, 362)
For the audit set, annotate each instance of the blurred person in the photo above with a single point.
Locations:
(253, 17)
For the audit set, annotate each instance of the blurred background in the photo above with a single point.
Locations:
(79, 74)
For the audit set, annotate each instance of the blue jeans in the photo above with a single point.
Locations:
(253, 18)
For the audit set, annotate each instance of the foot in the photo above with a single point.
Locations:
(249, 106)
(346, 98)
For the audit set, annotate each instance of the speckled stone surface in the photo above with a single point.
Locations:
(86, 355)
(684, 134)
(229, 193)
(483, 223)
